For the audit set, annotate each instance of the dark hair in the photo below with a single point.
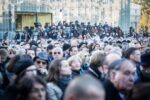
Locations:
(54, 71)
(25, 86)
(72, 48)
(3, 52)
(129, 52)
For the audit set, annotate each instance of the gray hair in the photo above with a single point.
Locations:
(116, 65)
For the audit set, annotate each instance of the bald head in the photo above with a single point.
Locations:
(111, 58)
(85, 88)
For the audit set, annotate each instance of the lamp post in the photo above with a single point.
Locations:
(37, 10)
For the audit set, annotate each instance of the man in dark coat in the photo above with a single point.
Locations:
(120, 81)
(141, 90)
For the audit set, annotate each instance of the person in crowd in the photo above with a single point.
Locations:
(66, 47)
(73, 50)
(57, 53)
(134, 55)
(58, 78)
(21, 65)
(49, 51)
(96, 65)
(31, 52)
(3, 61)
(108, 49)
(75, 64)
(2, 92)
(109, 59)
(74, 42)
(144, 70)
(31, 88)
(120, 79)
(141, 89)
(54, 91)
(41, 62)
(12, 51)
(85, 88)
(117, 50)
(85, 59)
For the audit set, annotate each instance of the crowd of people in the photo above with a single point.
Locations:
(82, 62)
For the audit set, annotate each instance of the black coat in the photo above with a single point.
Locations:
(2, 95)
(111, 92)
(141, 77)
(93, 71)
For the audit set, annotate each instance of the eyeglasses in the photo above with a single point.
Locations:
(38, 62)
(57, 53)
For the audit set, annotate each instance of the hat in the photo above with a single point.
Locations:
(22, 63)
(50, 47)
(66, 46)
(145, 59)
(42, 56)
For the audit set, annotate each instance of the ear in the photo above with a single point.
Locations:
(112, 75)
(131, 56)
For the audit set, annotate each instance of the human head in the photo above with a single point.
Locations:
(84, 56)
(117, 50)
(12, 52)
(73, 50)
(3, 55)
(31, 88)
(75, 62)
(31, 52)
(121, 74)
(97, 58)
(111, 58)
(77, 89)
(22, 65)
(108, 49)
(41, 60)
(133, 54)
(57, 53)
(145, 62)
(56, 69)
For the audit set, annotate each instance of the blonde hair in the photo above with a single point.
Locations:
(73, 58)
(82, 55)
(97, 57)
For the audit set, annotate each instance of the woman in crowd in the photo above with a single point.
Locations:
(31, 88)
(59, 75)
(75, 64)
(96, 64)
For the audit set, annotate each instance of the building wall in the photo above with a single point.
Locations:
(71, 10)
(135, 15)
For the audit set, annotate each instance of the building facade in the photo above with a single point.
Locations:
(135, 15)
(116, 13)
(71, 10)
(17, 14)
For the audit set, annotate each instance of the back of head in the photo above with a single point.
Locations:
(111, 58)
(97, 58)
(85, 88)
(3, 55)
(145, 59)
